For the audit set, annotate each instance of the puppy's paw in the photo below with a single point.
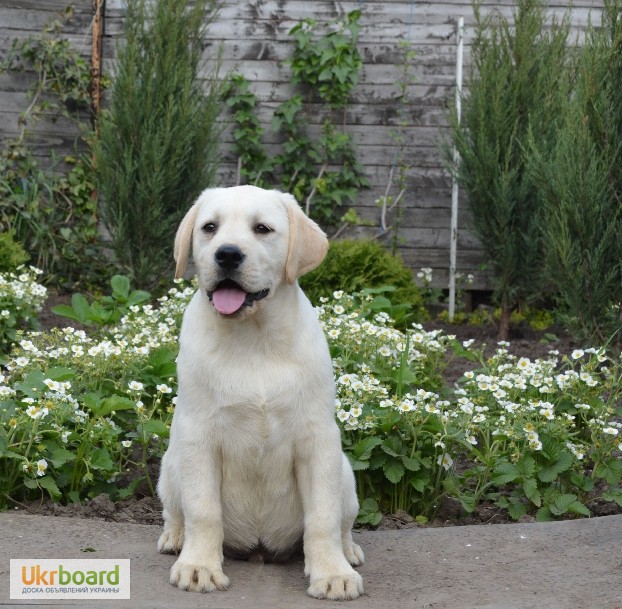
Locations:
(353, 553)
(338, 587)
(171, 541)
(198, 578)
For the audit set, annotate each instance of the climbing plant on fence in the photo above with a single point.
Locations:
(322, 171)
(49, 205)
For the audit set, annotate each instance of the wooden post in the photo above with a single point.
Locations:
(96, 57)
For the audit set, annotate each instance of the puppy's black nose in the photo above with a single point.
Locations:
(229, 257)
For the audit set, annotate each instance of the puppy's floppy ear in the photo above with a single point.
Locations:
(183, 241)
(307, 242)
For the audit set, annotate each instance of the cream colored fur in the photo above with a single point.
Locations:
(255, 458)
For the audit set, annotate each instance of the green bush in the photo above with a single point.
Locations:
(12, 254)
(358, 265)
(516, 88)
(48, 203)
(158, 146)
(580, 186)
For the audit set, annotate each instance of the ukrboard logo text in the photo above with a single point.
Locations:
(70, 578)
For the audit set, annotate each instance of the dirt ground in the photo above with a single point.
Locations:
(554, 565)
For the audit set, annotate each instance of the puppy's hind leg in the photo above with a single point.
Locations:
(172, 539)
(350, 510)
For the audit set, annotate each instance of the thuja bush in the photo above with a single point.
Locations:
(158, 144)
(580, 185)
(517, 86)
(78, 410)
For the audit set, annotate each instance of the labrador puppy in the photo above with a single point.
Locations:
(254, 464)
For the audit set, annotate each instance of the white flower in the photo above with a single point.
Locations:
(577, 354)
(445, 460)
(126, 443)
(523, 363)
(470, 438)
(42, 465)
(36, 412)
(535, 445)
(135, 386)
(466, 344)
(612, 431)
(164, 388)
(51, 385)
(6, 392)
(4, 313)
(338, 295)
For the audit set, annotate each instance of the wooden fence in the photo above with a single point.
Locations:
(253, 36)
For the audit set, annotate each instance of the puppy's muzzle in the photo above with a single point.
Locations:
(229, 257)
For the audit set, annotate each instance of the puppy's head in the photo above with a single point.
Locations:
(246, 242)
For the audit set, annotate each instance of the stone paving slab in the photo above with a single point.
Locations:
(562, 565)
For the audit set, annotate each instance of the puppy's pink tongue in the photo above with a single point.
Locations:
(228, 300)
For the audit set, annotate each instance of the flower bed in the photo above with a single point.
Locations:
(534, 437)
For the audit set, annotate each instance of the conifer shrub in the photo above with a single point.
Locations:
(158, 144)
(580, 186)
(516, 87)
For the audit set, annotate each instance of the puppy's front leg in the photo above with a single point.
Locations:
(318, 472)
(199, 566)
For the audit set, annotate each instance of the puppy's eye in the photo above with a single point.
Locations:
(209, 227)
(262, 229)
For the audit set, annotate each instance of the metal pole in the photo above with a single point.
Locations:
(453, 245)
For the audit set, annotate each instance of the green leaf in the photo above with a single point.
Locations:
(50, 486)
(155, 426)
(80, 307)
(561, 504)
(369, 512)
(610, 470)
(363, 448)
(64, 310)
(530, 486)
(550, 473)
(419, 484)
(517, 510)
(120, 286)
(576, 507)
(505, 472)
(60, 456)
(137, 297)
(60, 374)
(394, 471)
(544, 514)
(412, 465)
(113, 404)
(32, 384)
(614, 494)
(100, 459)
(585, 483)
(468, 503)
(526, 466)
(30, 483)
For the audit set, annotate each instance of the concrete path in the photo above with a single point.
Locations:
(564, 565)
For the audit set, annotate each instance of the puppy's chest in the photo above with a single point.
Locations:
(257, 423)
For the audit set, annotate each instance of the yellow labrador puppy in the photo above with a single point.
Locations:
(254, 464)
